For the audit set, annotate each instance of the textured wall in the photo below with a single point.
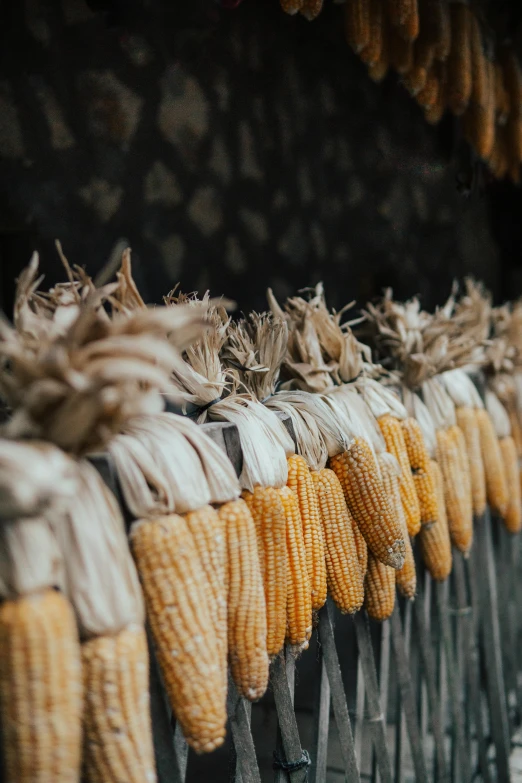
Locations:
(233, 150)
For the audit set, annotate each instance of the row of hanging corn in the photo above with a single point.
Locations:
(448, 59)
(394, 451)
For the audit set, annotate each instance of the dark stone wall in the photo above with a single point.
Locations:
(232, 149)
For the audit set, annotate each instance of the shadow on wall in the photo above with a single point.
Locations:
(234, 150)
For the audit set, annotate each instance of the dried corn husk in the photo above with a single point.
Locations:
(100, 577)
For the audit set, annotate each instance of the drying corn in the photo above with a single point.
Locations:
(435, 543)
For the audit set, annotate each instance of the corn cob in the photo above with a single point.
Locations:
(430, 95)
(371, 53)
(394, 439)
(479, 90)
(468, 423)
(345, 579)
(516, 431)
(40, 689)
(442, 26)
(434, 112)
(247, 626)
(116, 719)
(496, 484)
(406, 577)
(459, 60)
(452, 458)
(513, 514)
(311, 9)
(301, 482)
(208, 532)
(360, 545)
(379, 589)
(502, 98)
(435, 544)
(479, 120)
(299, 598)
(291, 6)
(177, 600)
(378, 70)
(419, 460)
(498, 160)
(269, 517)
(400, 51)
(357, 24)
(368, 504)
(399, 11)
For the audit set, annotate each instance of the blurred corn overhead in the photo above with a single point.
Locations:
(208, 533)
(300, 481)
(502, 98)
(400, 11)
(479, 119)
(268, 514)
(459, 60)
(468, 422)
(116, 718)
(311, 9)
(371, 54)
(419, 460)
(177, 600)
(479, 84)
(357, 24)
(291, 6)
(496, 483)
(434, 541)
(434, 112)
(513, 514)
(395, 444)
(344, 575)
(452, 459)
(378, 70)
(406, 577)
(379, 589)
(400, 51)
(368, 503)
(40, 690)
(299, 596)
(247, 625)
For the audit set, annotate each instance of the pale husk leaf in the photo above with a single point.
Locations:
(499, 415)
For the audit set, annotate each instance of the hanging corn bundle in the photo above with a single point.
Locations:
(40, 659)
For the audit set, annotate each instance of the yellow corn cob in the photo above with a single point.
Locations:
(513, 515)
(434, 541)
(291, 6)
(399, 11)
(371, 53)
(360, 545)
(468, 423)
(357, 24)
(516, 431)
(368, 503)
(247, 627)
(406, 577)
(459, 60)
(345, 579)
(419, 460)
(299, 598)
(496, 484)
(378, 70)
(502, 98)
(394, 439)
(443, 31)
(268, 514)
(437, 108)
(116, 718)
(415, 79)
(177, 601)
(479, 91)
(429, 96)
(400, 51)
(301, 482)
(479, 120)
(452, 459)
(311, 9)
(379, 589)
(208, 532)
(40, 690)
